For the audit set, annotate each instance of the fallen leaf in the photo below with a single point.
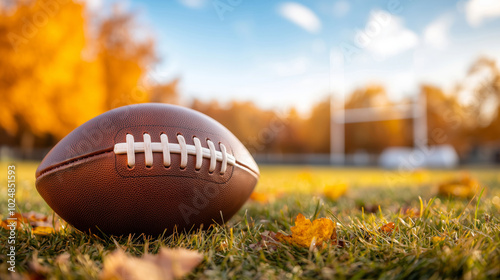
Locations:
(411, 212)
(33, 216)
(268, 240)
(388, 228)
(334, 191)
(368, 208)
(437, 239)
(166, 265)
(35, 220)
(260, 197)
(43, 230)
(16, 219)
(306, 233)
(465, 187)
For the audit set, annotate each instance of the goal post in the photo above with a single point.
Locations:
(339, 116)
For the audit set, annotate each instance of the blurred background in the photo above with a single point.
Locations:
(394, 82)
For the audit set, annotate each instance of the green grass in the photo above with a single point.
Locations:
(470, 250)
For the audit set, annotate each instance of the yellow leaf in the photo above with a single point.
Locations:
(260, 197)
(465, 187)
(437, 239)
(306, 233)
(43, 230)
(334, 191)
(388, 228)
(33, 216)
(16, 218)
(412, 213)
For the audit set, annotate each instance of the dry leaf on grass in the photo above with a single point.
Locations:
(388, 228)
(411, 212)
(334, 191)
(33, 216)
(43, 230)
(306, 233)
(368, 208)
(268, 240)
(17, 219)
(260, 197)
(441, 237)
(437, 239)
(41, 224)
(166, 265)
(465, 187)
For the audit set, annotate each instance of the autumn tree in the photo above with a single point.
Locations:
(375, 136)
(124, 59)
(317, 128)
(256, 128)
(445, 119)
(46, 85)
(484, 105)
(61, 65)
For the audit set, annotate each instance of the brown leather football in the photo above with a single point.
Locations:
(147, 168)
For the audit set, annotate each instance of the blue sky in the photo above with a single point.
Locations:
(277, 53)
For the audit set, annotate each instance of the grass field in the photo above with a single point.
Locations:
(438, 237)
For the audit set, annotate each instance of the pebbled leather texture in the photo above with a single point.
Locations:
(94, 190)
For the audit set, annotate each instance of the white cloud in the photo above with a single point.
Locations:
(385, 35)
(341, 8)
(436, 34)
(478, 10)
(301, 16)
(194, 4)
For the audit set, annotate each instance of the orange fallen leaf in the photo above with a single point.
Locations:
(437, 239)
(16, 220)
(465, 187)
(412, 212)
(388, 228)
(33, 216)
(334, 191)
(35, 220)
(43, 230)
(166, 265)
(306, 233)
(260, 197)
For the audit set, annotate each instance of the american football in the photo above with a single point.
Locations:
(147, 168)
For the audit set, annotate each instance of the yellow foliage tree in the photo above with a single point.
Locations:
(58, 69)
(375, 136)
(47, 86)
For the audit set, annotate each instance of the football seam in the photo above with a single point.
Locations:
(62, 164)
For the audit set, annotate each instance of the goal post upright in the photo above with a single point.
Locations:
(339, 115)
(420, 121)
(337, 103)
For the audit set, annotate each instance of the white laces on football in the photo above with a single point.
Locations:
(148, 148)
